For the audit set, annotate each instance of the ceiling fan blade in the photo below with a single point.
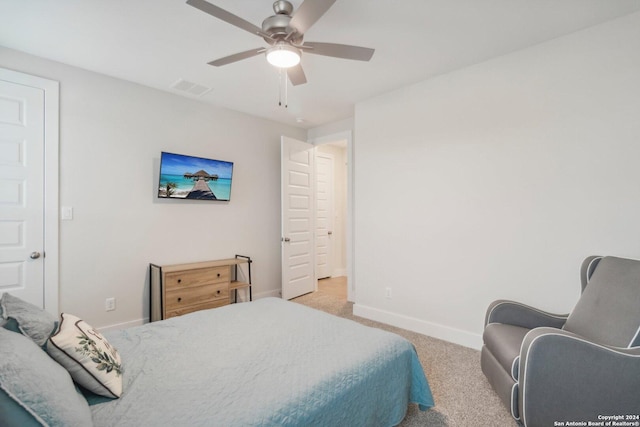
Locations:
(339, 50)
(296, 75)
(236, 57)
(308, 13)
(227, 17)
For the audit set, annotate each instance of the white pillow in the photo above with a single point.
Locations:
(85, 353)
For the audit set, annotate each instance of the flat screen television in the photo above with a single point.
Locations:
(194, 178)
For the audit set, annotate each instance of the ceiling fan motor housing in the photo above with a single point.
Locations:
(282, 7)
(277, 26)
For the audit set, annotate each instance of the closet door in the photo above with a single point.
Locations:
(23, 207)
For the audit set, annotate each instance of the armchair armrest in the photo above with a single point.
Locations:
(564, 376)
(514, 313)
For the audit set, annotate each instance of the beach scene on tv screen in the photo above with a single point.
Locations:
(187, 177)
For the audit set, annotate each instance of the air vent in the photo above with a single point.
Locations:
(189, 87)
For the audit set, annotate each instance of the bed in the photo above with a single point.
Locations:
(270, 363)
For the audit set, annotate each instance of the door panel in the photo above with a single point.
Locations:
(298, 257)
(324, 215)
(22, 191)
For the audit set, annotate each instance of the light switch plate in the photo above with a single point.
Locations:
(66, 213)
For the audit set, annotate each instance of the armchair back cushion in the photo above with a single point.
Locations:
(607, 312)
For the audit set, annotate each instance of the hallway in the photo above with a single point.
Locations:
(336, 286)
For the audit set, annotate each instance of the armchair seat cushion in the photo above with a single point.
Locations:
(504, 341)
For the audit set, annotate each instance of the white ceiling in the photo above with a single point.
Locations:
(157, 42)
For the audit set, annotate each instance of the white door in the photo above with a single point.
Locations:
(298, 258)
(22, 130)
(324, 215)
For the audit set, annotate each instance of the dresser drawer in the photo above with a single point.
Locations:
(179, 298)
(201, 276)
(195, 307)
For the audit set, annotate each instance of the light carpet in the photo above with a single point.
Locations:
(462, 395)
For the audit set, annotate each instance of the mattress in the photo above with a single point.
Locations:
(269, 363)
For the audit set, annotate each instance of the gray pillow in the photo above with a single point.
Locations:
(34, 389)
(3, 321)
(14, 415)
(31, 320)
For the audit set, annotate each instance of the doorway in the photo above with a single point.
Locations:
(333, 209)
(298, 214)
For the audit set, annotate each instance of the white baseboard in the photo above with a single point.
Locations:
(124, 325)
(446, 333)
(272, 293)
(242, 297)
(339, 272)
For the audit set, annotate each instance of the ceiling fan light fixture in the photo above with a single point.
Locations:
(283, 56)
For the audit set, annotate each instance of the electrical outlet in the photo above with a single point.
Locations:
(110, 304)
(387, 292)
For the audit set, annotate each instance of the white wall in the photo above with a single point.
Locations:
(495, 181)
(320, 134)
(111, 136)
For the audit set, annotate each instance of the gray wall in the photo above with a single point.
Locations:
(496, 180)
(111, 136)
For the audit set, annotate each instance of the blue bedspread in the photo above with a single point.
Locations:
(265, 363)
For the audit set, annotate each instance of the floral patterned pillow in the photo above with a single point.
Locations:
(92, 362)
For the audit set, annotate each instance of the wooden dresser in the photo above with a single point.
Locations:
(183, 288)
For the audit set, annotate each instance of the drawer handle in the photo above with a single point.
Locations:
(218, 274)
(218, 292)
(179, 299)
(179, 280)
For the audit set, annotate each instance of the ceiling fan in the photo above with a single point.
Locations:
(284, 32)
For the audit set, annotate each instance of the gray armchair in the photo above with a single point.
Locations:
(547, 367)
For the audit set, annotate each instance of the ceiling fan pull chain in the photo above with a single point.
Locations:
(286, 91)
(280, 87)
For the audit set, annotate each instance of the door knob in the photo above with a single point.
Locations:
(329, 233)
(286, 239)
(34, 255)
